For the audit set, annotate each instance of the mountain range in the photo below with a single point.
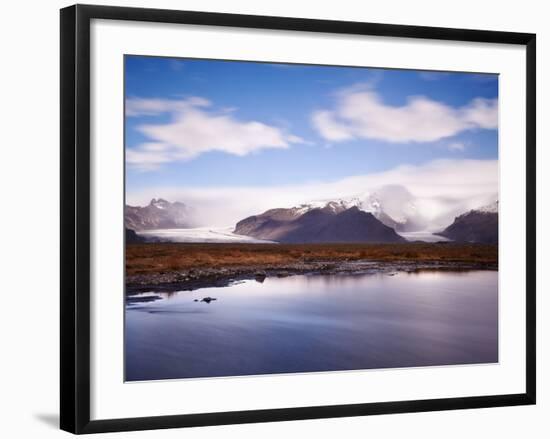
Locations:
(158, 214)
(371, 217)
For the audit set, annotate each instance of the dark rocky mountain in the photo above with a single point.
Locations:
(158, 214)
(132, 237)
(477, 225)
(271, 225)
(319, 225)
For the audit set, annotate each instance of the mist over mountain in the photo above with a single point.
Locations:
(393, 206)
(477, 225)
(372, 216)
(159, 214)
(429, 195)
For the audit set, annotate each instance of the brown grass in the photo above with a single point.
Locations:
(168, 257)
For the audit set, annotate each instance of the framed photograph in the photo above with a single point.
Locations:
(268, 219)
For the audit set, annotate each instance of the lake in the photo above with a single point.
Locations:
(313, 324)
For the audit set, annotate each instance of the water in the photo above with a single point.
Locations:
(315, 323)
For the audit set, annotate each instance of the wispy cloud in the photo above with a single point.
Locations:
(196, 128)
(456, 146)
(154, 107)
(433, 76)
(361, 113)
(442, 188)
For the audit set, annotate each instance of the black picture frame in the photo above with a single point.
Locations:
(75, 217)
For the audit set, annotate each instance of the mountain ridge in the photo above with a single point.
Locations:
(158, 214)
(477, 225)
(317, 225)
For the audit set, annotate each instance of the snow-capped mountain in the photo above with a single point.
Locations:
(392, 205)
(476, 225)
(158, 214)
(308, 224)
(368, 217)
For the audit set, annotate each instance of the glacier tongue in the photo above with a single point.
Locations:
(199, 234)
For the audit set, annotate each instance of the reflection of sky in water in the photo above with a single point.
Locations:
(315, 323)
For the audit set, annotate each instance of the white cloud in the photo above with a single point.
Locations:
(482, 113)
(329, 128)
(362, 114)
(195, 129)
(443, 189)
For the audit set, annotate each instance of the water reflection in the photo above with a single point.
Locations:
(315, 323)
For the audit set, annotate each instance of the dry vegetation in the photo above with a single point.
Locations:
(169, 257)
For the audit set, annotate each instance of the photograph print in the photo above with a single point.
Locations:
(290, 218)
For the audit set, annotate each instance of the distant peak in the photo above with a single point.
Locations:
(158, 201)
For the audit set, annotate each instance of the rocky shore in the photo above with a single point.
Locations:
(195, 278)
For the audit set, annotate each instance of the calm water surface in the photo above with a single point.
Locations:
(315, 323)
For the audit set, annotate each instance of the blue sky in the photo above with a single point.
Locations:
(219, 124)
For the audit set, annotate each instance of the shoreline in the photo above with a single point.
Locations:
(209, 277)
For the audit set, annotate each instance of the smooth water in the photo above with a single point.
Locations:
(315, 323)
